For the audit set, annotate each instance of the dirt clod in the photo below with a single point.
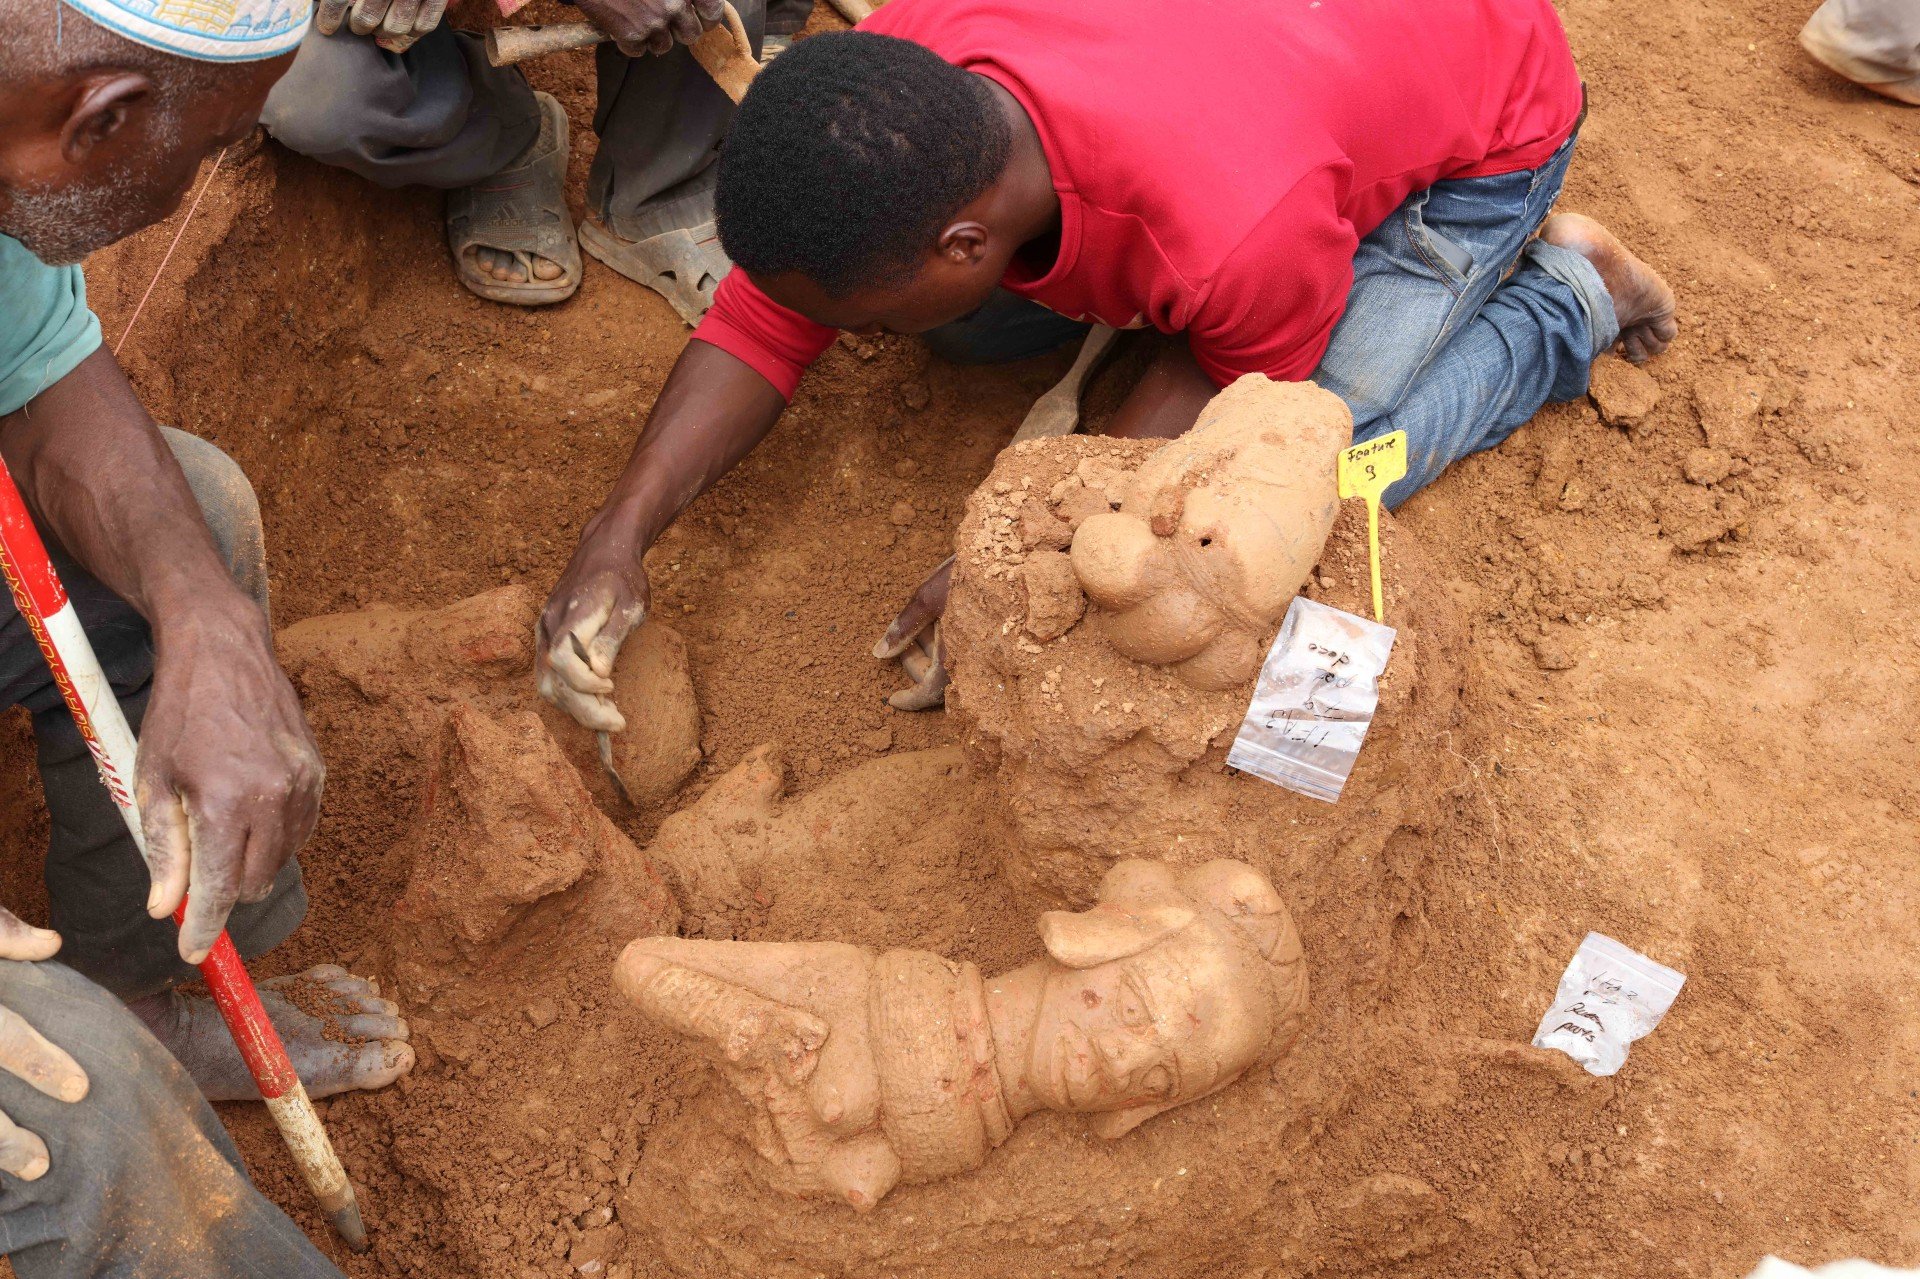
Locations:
(1624, 393)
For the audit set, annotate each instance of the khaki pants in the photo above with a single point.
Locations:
(1875, 43)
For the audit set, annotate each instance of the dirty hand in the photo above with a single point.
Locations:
(601, 596)
(228, 776)
(915, 639)
(28, 1056)
(398, 22)
(652, 26)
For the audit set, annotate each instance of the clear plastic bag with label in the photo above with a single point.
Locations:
(1315, 700)
(1609, 996)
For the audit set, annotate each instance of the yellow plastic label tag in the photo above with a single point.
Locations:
(1365, 472)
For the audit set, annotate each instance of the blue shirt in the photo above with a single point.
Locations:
(45, 326)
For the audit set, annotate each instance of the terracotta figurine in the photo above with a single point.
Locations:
(1216, 532)
(863, 1069)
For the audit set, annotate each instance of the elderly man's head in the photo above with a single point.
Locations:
(101, 133)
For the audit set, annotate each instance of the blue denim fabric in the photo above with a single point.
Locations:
(1461, 325)
(1009, 327)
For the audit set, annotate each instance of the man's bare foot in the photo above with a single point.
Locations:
(1642, 302)
(340, 1033)
(510, 267)
(511, 234)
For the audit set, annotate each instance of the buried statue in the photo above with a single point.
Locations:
(1207, 542)
(864, 1069)
(1096, 695)
(1111, 604)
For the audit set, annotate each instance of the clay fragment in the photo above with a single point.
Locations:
(863, 1069)
(1624, 393)
(1217, 531)
(1553, 653)
(1040, 529)
(1728, 405)
(1695, 518)
(507, 851)
(653, 687)
(1054, 598)
(1707, 466)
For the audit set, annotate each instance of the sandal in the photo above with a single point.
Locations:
(684, 265)
(522, 211)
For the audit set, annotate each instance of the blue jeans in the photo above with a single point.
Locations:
(1459, 327)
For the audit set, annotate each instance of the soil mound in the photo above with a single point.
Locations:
(509, 858)
(1100, 757)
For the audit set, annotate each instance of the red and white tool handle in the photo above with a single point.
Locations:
(50, 615)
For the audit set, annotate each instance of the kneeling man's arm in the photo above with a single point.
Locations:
(229, 778)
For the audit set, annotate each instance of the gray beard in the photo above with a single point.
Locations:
(61, 226)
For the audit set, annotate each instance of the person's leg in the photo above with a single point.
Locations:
(785, 18)
(96, 880)
(650, 191)
(1874, 43)
(143, 1180)
(1422, 275)
(1455, 260)
(1532, 343)
(435, 116)
(439, 115)
(1009, 327)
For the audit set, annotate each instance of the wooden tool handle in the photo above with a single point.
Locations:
(724, 52)
(508, 45)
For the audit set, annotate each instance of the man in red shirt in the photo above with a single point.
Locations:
(1347, 190)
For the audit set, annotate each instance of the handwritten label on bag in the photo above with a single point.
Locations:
(1315, 700)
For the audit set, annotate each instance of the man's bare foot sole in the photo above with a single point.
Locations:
(341, 1035)
(1642, 302)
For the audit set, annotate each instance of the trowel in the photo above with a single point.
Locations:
(724, 52)
(1058, 411)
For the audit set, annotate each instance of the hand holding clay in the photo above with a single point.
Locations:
(863, 1069)
(601, 596)
(1217, 531)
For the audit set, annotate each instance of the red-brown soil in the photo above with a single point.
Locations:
(1706, 752)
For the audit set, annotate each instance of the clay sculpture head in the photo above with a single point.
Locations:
(1217, 531)
(1162, 993)
(864, 1069)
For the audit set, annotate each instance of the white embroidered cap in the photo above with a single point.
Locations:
(206, 30)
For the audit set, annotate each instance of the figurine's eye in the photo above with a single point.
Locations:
(1158, 1082)
(1133, 1014)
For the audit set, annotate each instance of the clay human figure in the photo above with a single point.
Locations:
(1217, 531)
(863, 1069)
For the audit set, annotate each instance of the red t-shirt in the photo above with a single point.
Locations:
(1218, 161)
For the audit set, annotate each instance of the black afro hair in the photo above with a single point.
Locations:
(848, 156)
